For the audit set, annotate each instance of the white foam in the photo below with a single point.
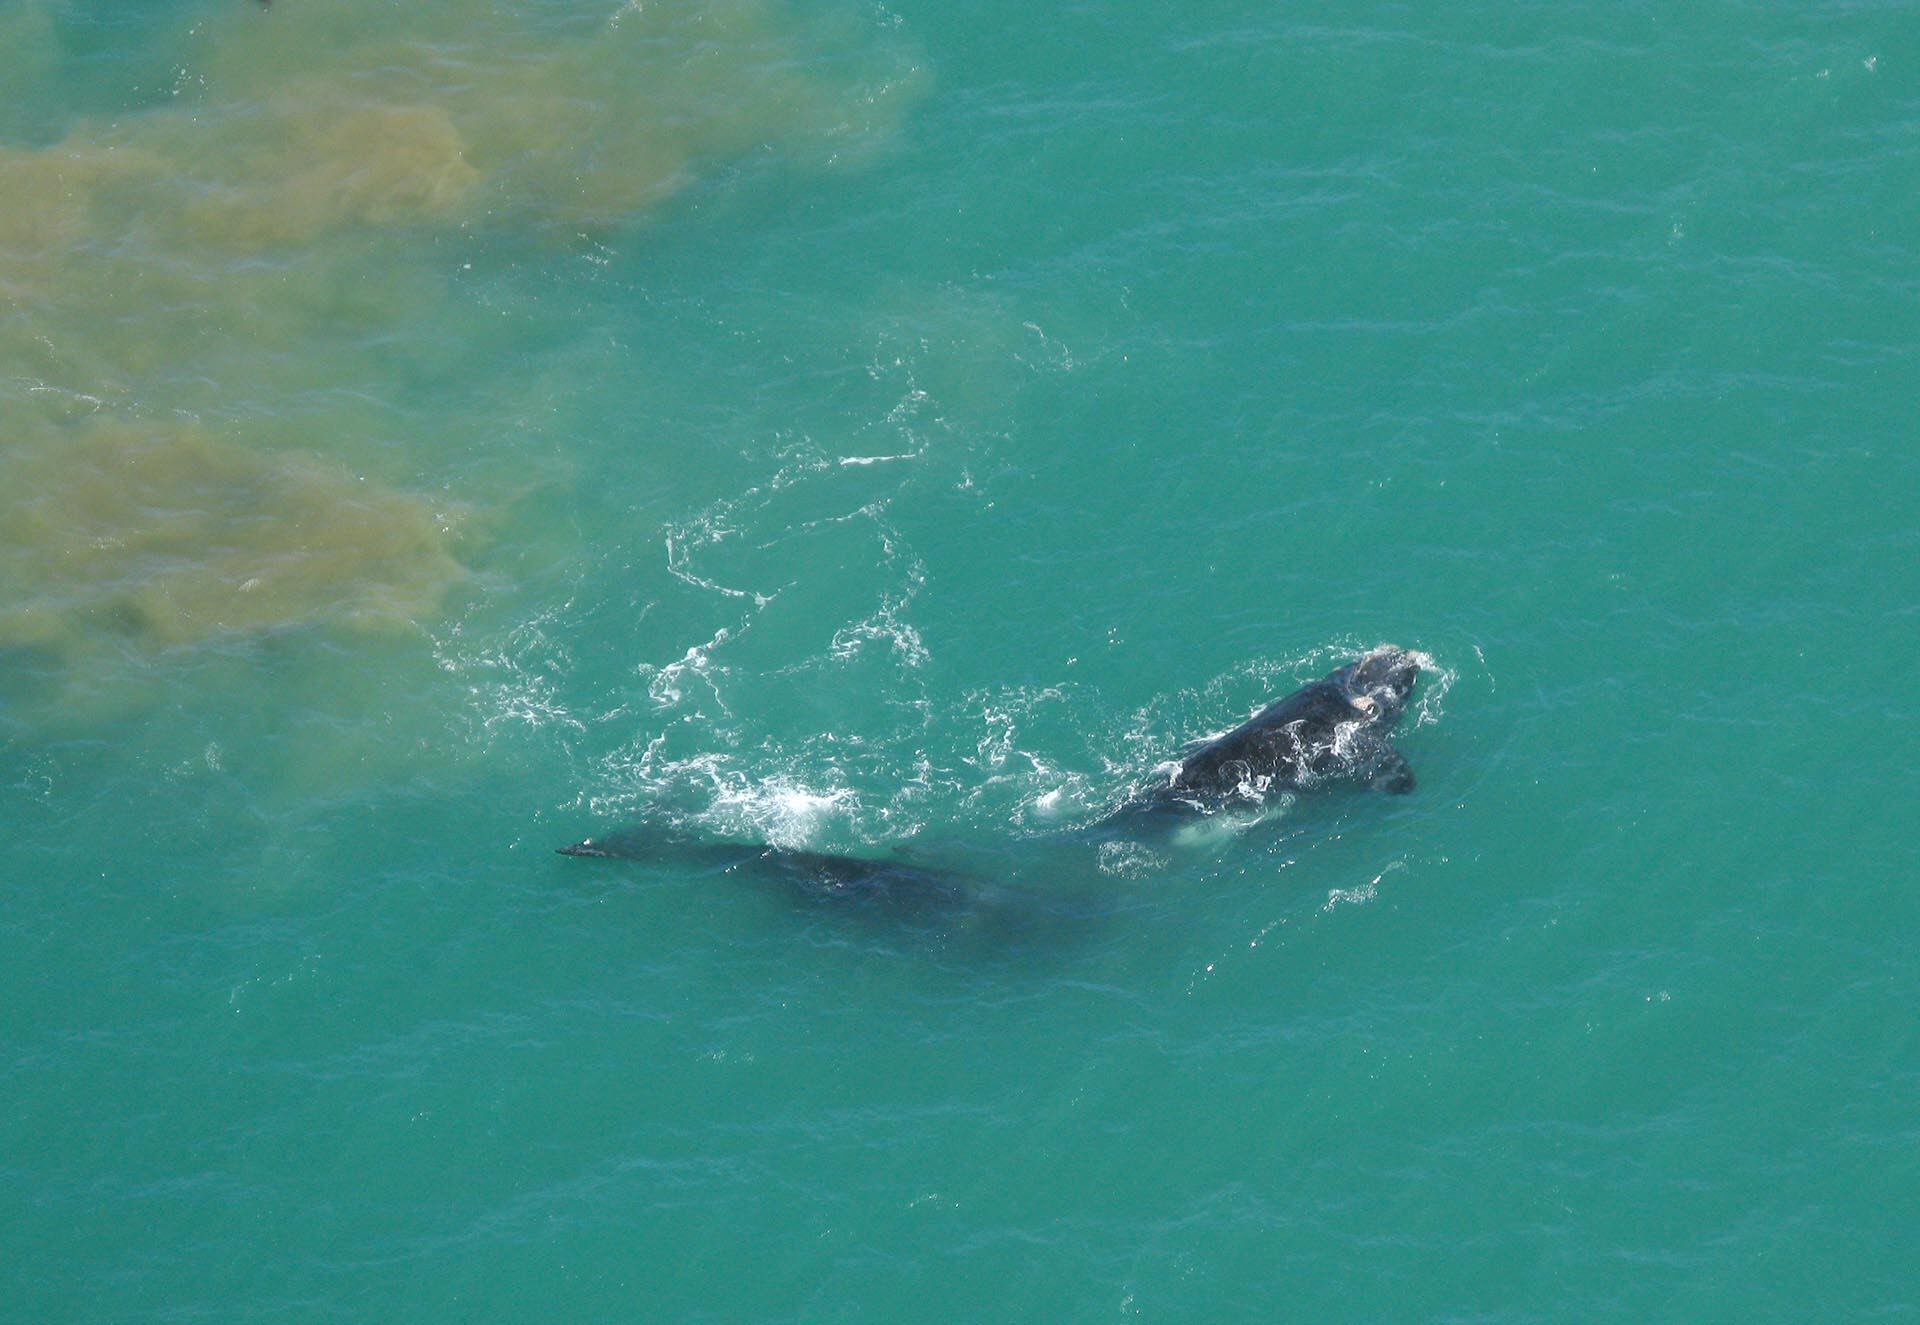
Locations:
(887, 625)
(783, 809)
(1366, 892)
(1435, 682)
(514, 683)
(665, 687)
(788, 813)
(1128, 860)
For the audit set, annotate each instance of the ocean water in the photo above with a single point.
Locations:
(433, 434)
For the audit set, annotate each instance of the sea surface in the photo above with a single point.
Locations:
(434, 434)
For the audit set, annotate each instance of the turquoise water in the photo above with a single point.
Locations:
(427, 438)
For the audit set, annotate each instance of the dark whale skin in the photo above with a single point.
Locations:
(1329, 729)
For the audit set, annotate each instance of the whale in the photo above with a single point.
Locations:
(897, 892)
(893, 887)
(1330, 730)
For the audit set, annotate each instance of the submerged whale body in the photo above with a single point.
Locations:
(1330, 729)
(890, 886)
(931, 903)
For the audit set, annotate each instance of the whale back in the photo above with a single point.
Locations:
(1280, 746)
(1335, 727)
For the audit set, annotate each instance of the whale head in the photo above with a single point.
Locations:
(1380, 682)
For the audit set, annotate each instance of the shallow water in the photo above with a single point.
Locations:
(428, 437)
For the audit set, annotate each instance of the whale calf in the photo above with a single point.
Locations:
(1330, 729)
(894, 888)
(945, 906)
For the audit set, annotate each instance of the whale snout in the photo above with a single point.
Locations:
(1381, 681)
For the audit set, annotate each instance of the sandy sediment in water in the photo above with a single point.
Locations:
(178, 283)
(305, 122)
(164, 534)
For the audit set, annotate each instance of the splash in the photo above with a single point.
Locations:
(1435, 681)
(781, 811)
(786, 798)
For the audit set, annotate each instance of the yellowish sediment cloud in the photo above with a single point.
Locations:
(163, 534)
(158, 267)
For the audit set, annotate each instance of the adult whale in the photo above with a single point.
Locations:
(1329, 729)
